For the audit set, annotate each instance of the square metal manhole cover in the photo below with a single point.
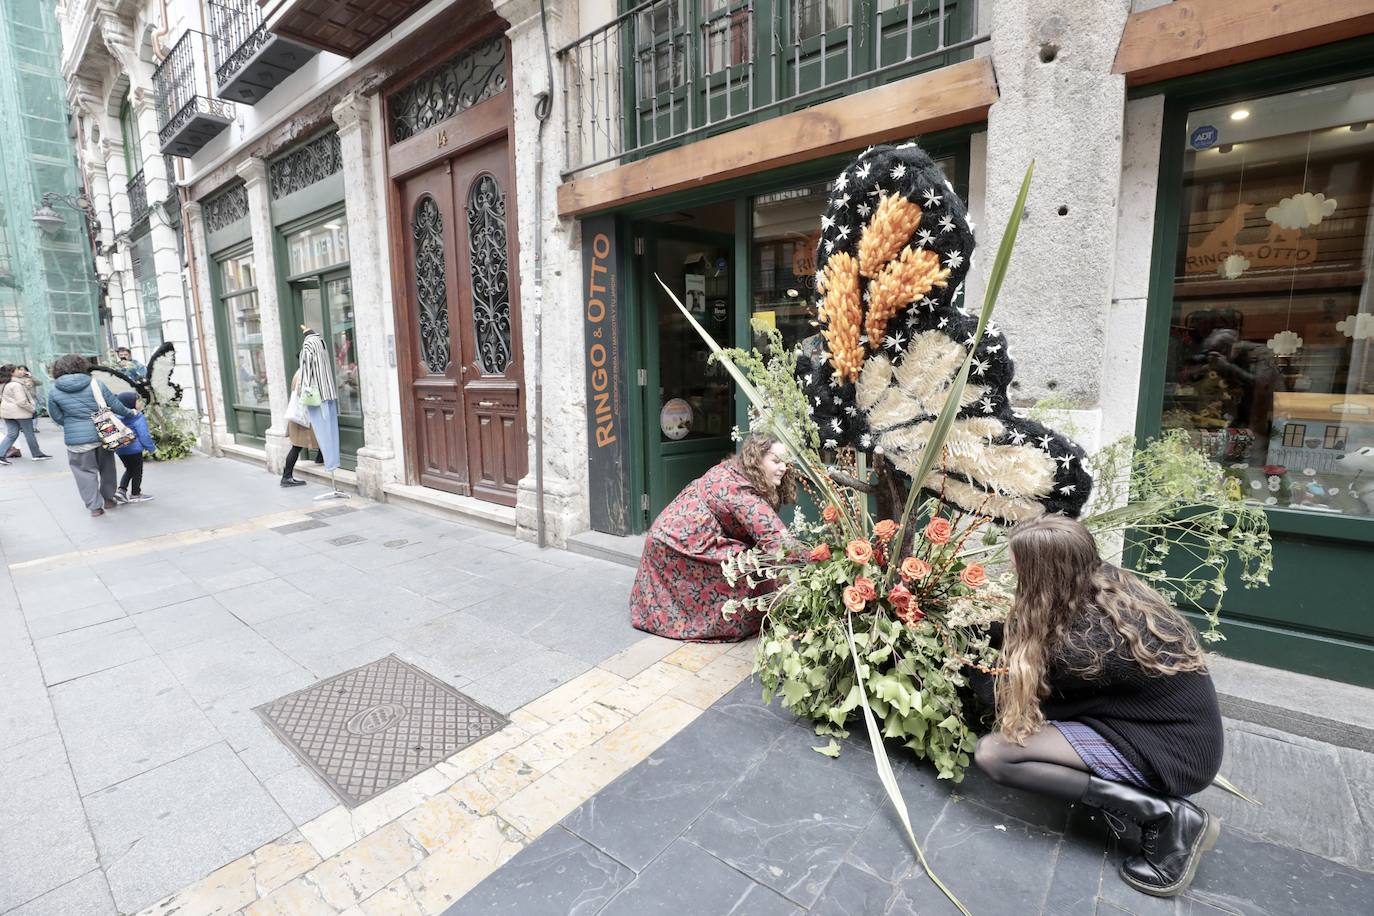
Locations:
(307, 525)
(374, 727)
(331, 513)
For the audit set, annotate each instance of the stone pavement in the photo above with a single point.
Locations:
(135, 776)
(737, 815)
(134, 647)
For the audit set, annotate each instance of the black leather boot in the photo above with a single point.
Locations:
(1174, 833)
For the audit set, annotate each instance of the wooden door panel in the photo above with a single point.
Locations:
(434, 389)
(487, 322)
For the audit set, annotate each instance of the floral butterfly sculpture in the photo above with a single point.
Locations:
(894, 251)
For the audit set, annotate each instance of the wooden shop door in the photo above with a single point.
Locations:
(467, 402)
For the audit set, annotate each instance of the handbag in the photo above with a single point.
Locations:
(296, 412)
(310, 396)
(113, 433)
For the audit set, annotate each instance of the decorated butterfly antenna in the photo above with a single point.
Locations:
(893, 255)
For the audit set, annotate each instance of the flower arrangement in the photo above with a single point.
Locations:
(918, 619)
(905, 439)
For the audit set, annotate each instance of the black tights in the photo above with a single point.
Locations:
(291, 457)
(1046, 763)
(133, 474)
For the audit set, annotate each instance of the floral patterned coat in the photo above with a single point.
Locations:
(680, 587)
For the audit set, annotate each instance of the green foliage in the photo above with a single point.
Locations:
(174, 431)
(1166, 514)
(774, 374)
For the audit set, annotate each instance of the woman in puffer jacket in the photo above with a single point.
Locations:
(71, 404)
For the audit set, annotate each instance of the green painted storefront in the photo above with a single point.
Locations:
(1316, 616)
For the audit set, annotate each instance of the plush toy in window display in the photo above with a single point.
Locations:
(1359, 466)
(894, 251)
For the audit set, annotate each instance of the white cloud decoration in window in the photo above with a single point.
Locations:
(1285, 343)
(1359, 326)
(1233, 266)
(1301, 210)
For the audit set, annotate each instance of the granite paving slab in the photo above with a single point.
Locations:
(736, 815)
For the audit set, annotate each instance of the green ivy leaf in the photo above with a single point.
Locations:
(793, 692)
(830, 750)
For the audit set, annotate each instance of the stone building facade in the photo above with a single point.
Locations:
(537, 383)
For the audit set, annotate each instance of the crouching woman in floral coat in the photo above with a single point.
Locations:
(731, 508)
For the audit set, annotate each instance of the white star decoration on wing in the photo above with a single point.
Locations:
(899, 170)
(1018, 437)
(1065, 460)
(979, 367)
(1045, 440)
(893, 341)
(841, 201)
(865, 441)
(925, 238)
(928, 302)
(932, 199)
(842, 182)
(844, 232)
(986, 404)
(943, 321)
(1068, 489)
(946, 223)
(826, 223)
(954, 260)
(836, 426)
(862, 171)
(829, 246)
(829, 443)
(864, 209)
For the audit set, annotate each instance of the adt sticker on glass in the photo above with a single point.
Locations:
(1203, 137)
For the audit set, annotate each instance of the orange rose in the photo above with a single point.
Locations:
(973, 575)
(865, 587)
(820, 553)
(859, 551)
(853, 600)
(939, 531)
(885, 529)
(830, 514)
(900, 599)
(913, 569)
(912, 615)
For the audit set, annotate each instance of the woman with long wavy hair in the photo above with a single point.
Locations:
(733, 507)
(1105, 700)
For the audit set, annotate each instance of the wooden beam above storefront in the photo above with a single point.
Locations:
(949, 97)
(1195, 36)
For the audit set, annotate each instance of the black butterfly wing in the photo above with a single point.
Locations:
(160, 367)
(997, 464)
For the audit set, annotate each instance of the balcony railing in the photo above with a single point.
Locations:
(249, 60)
(137, 189)
(189, 116)
(670, 70)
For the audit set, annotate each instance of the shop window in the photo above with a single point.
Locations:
(322, 298)
(243, 319)
(1272, 332)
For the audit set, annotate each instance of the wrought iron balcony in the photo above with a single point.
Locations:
(249, 60)
(189, 116)
(137, 189)
(668, 71)
(345, 27)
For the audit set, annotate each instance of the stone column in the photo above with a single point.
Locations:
(173, 313)
(552, 304)
(253, 171)
(1060, 105)
(366, 247)
(123, 298)
(218, 425)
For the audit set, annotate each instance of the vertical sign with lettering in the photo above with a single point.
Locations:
(607, 449)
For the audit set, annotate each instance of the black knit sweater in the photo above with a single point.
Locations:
(1168, 726)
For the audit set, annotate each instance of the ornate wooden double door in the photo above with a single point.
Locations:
(465, 382)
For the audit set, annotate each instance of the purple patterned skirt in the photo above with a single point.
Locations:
(1102, 758)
